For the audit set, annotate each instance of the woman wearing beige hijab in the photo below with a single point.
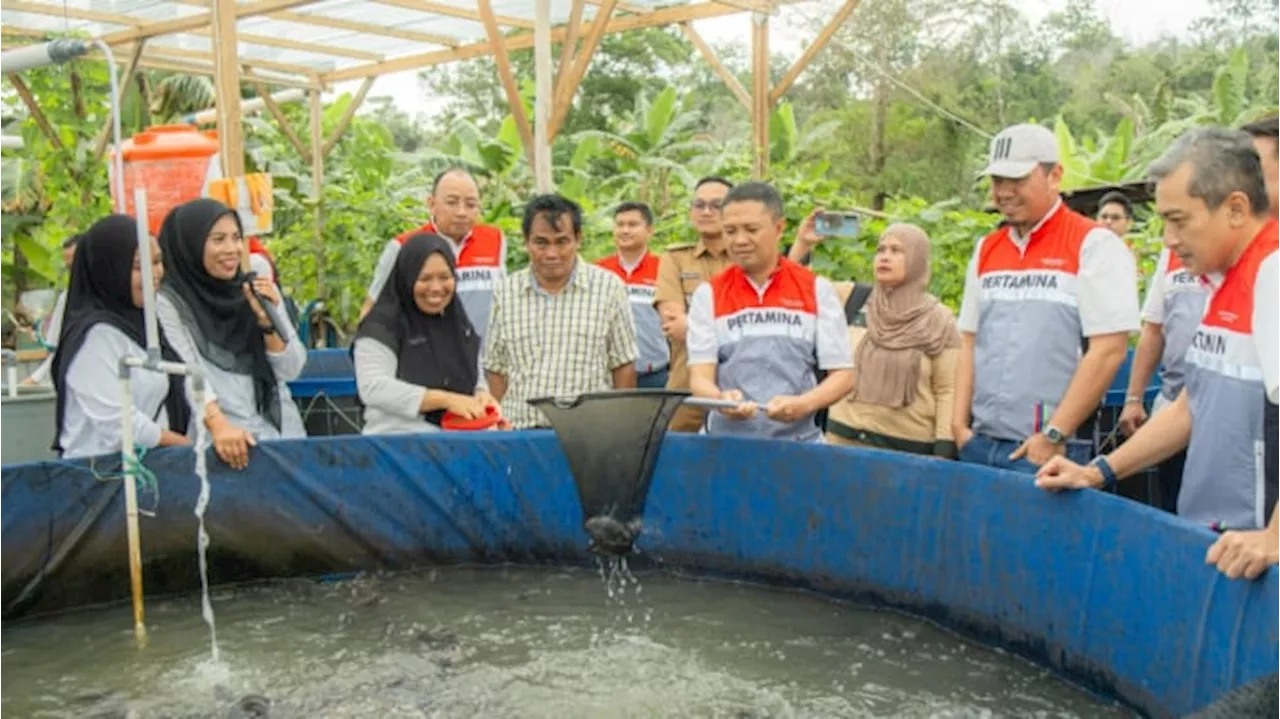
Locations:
(906, 343)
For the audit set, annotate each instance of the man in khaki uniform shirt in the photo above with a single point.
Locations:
(680, 271)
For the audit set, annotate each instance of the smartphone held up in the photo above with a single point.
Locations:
(837, 224)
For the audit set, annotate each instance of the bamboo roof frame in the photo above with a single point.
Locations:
(330, 61)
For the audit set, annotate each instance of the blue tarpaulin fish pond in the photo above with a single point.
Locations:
(1110, 593)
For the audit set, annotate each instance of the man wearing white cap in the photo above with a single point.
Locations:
(1038, 288)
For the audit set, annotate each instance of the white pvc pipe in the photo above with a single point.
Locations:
(210, 116)
(46, 53)
(118, 156)
(148, 280)
(11, 371)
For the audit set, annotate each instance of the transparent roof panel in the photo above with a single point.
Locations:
(343, 34)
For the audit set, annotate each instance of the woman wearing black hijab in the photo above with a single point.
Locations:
(103, 325)
(416, 353)
(211, 314)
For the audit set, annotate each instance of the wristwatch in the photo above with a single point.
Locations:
(1055, 435)
(1109, 477)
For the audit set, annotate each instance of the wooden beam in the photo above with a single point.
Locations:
(278, 115)
(100, 144)
(524, 41)
(227, 82)
(368, 28)
(318, 20)
(760, 95)
(311, 47)
(187, 24)
(424, 6)
(543, 180)
(717, 67)
(815, 47)
(22, 32)
(347, 114)
(160, 60)
(568, 86)
(317, 191)
(625, 7)
(37, 114)
(114, 18)
(183, 53)
(508, 78)
(570, 42)
(748, 5)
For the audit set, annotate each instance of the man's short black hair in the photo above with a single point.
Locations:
(71, 241)
(640, 207)
(551, 208)
(1266, 127)
(761, 192)
(1117, 198)
(454, 170)
(713, 179)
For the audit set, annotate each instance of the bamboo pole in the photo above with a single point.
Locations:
(508, 79)
(717, 67)
(347, 115)
(132, 533)
(317, 189)
(815, 47)
(542, 99)
(760, 95)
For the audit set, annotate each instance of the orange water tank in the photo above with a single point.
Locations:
(173, 162)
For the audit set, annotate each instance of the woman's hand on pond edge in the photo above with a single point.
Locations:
(232, 444)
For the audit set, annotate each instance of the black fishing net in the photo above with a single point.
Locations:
(611, 440)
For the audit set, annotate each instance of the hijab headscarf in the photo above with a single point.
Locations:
(101, 292)
(221, 322)
(434, 351)
(904, 324)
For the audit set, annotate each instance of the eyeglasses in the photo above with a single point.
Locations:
(704, 205)
(1111, 218)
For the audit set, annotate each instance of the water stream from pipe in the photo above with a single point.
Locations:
(202, 537)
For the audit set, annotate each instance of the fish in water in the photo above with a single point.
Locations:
(1259, 698)
(251, 706)
(610, 536)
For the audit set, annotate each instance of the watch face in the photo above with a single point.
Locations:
(1054, 435)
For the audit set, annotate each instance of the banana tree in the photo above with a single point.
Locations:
(650, 154)
(1089, 162)
(1227, 105)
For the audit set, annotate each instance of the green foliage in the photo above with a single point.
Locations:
(367, 197)
(51, 192)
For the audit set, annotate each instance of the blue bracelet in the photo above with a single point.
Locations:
(1109, 478)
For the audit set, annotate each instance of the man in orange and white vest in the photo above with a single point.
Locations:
(762, 330)
(638, 269)
(1212, 196)
(1038, 288)
(481, 250)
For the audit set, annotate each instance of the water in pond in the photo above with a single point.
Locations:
(515, 642)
